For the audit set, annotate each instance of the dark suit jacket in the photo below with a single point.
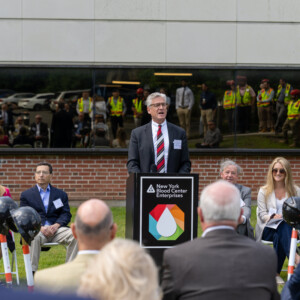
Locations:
(291, 290)
(43, 129)
(141, 150)
(221, 265)
(62, 215)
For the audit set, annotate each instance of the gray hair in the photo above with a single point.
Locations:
(220, 201)
(227, 162)
(153, 96)
(103, 227)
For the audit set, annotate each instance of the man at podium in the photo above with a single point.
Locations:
(159, 146)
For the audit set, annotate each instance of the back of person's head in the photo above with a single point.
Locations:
(220, 201)
(61, 105)
(23, 131)
(94, 226)
(122, 271)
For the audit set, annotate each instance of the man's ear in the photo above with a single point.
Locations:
(241, 219)
(113, 231)
(200, 214)
(73, 228)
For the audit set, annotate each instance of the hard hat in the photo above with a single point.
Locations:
(291, 211)
(230, 82)
(265, 80)
(7, 204)
(28, 222)
(139, 91)
(295, 92)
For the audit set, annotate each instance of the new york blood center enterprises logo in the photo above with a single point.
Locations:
(166, 222)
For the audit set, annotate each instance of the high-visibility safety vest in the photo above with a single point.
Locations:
(229, 100)
(287, 96)
(80, 104)
(116, 109)
(264, 96)
(294, 110)
(137, 103)
(246, 99)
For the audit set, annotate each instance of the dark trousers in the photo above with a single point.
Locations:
(115, 122)
(281, 238)
(230, 115)
(281, 115)
(244, 118)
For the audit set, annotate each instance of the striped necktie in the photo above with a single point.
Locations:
(160, 151)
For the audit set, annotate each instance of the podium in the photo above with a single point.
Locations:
(161, 210)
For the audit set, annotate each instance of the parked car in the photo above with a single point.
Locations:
(4, 93)
(67, 96)
(15, 98)
(38, 102)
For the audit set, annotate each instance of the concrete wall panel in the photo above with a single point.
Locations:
(130, 42)
(201, 43)
(11, 40)
(10, 9)
(58, 41)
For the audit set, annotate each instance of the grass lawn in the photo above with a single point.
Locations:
(56, 255)
(255, 141)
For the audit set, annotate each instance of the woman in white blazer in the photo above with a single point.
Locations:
(270, 198)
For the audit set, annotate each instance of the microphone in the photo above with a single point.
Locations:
(153, 168)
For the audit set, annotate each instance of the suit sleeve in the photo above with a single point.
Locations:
(23, 200)
(65, 216)
(167, 283)
(246, 197)
(185, 163)
(133, 163)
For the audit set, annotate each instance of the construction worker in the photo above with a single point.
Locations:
(264, 106)
(137, 107)
(292, 121)
(245, 98)
(283, 98)
(84, 104)
(116, 108)
(229, 101)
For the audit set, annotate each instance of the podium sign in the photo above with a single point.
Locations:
(161, 210)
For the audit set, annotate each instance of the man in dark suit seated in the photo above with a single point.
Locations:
(53, 207)
(39, 131)
(158, 146)
(230, 171)
(221, 264)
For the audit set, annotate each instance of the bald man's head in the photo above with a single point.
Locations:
(94, 225)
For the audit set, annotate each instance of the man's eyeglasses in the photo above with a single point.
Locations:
(281, 171)
(42, 172)
(157, 105)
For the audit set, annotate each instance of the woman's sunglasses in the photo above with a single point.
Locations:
(281, 171)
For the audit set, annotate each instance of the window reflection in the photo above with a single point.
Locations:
(248, 106)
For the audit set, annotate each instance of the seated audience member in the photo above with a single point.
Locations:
(99, 138)
(121, 140)
(3, 137)
(18, 124)
(82, 129)
(39, 131)
(291, 290)
(23, 138)
(221, 264)
(93, 228)
(52, 205)
(230, 172)
(212, 138)
(100, 124)
(270, 225)
(122, 271)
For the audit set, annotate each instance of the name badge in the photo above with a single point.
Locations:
(58, 203)
(177, 144)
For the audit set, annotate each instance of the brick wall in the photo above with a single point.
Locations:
(104, 175)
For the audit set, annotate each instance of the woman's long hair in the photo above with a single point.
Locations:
(288, 182)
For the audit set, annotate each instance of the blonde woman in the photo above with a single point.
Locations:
(270, 199)
(121, 271)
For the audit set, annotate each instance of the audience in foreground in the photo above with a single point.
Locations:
(291, 290)
(93, 228)
(270, 225)
(122, 271)
(221, 264)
